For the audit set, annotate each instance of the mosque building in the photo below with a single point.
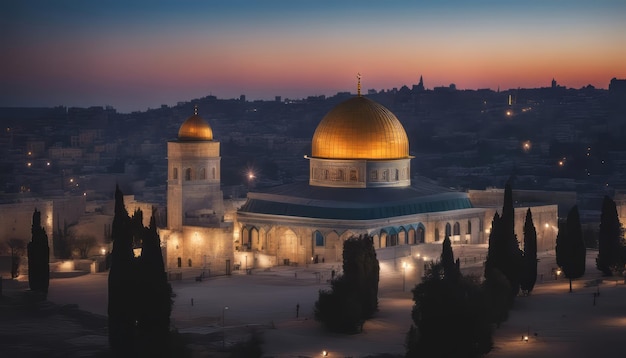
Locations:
(359, 184)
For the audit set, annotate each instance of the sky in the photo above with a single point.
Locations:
(135, 55)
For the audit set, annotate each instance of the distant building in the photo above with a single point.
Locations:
(617, 86)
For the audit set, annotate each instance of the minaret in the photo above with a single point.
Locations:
(194, 196)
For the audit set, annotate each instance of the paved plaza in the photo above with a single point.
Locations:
(559, 324)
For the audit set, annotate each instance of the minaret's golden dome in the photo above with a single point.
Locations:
(195, 128)
(360, 128)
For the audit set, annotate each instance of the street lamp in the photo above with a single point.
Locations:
(223, 318)
(403, 276)
(223, 327)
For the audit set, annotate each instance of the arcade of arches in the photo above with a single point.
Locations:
(299, 245)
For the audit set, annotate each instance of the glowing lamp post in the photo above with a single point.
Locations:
(223, 317)
(223, 327)
(403, 276)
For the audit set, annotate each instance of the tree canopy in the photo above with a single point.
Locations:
(450, 314)
(353, 296)
(610, 240)
(529, 269)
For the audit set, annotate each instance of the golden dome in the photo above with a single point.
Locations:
(195, 128)
(360, 128)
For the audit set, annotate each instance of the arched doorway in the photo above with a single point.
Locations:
(287, 249)
(254, 238)
(411, 236)
(403, 238)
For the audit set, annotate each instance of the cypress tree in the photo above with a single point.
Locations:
(504, 253)
(493, 258)
(610, 243)
(155, 295)
(570, 247)
(450, 269)
(122, 279)
(529, 273)
(38, 257)
(450, 317)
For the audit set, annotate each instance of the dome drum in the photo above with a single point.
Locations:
(360, 144)
(359, 173)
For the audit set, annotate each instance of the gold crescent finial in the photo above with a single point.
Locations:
(358, 85)
(195, 110)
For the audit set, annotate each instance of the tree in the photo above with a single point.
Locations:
(155, 295)
(450, 315)
(38, 257)
(570, 247)
(17, 250)
(529, 271)
(121, 285)
(497, 290)
(610, 241)
(450, 267)
(83, 244)
(504, 253)
(140, 298)
(353, 296)
(63, 240)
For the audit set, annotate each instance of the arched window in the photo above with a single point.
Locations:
(203, 173)
(448, 229)
(254, 237)
(420, 235)
(318, 238)
(457, 229)
(469, 227)
(175, 174)
(188, 174)
(437, 234)
(245, 237)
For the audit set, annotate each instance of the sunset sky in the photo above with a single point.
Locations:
(132, 57)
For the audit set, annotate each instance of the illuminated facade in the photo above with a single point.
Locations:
(359, 183)
(196, 235)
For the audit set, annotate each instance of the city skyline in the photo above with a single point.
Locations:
(145, 54)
